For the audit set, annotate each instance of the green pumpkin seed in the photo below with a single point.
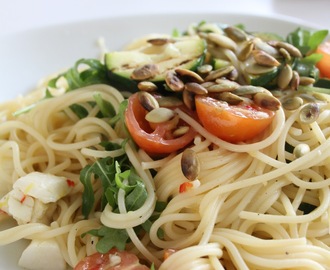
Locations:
(148, 101)
(147, 86)
(190, 164)
(285, 54)
(295, 81)
(292, 103)
(173, 81)
(204, 69)
(264, 59)
(189, 99)
(145, 72)
(180, 131)
(223, 85)
(284, 77)
(169, 101)
(221, 72)
(195, 88)
(306, 80)
(160, 41)
(160, 115)
(246, 50)
(292, 50)
(267, 101)
(235, 33)
(245, 90)
(257, 69)
(189, 74)
(229, 97)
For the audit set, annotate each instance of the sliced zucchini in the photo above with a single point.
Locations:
(183, 52)
(265, 80)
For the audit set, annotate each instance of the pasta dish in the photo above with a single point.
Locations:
(207, 149)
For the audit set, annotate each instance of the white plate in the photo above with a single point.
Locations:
(26, 57)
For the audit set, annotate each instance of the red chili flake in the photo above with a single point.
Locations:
(70, 183)
(23, 198)
(185, 186)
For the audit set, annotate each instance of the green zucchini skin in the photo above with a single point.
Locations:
(121, 64)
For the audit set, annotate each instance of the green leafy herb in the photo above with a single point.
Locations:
(109, 238)
(106, 107)
(30, 107)
(306, 40)
(84, 72)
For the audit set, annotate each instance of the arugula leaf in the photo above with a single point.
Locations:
(106, 107)
(31, 106)
(84, 72)
(109, 238)
(305, 40)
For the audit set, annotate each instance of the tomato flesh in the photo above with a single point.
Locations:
(153, 138)
(324, 64)
(232, 123)
(123, 261)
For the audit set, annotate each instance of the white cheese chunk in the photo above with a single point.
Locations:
(33, 197)
(41, 255)
(44, 187)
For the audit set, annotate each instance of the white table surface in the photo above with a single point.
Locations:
(20, 15)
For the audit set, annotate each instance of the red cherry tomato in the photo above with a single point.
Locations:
(232, 123)
(324, 64)
(113, 260)
(153, 138)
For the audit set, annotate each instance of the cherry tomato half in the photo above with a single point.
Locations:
(232, 123)
(153, 138)
(113, 260)
(324, 64)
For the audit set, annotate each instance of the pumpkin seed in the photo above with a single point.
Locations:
(222, 41)
(264, 46)
(207, 84)
(145, 72)
(285, 54)
(233, 75)
(292, 50)
(309, 113)
(264, 59)
(295, 81)
(292, 103)
(195, 88)
(229, 97)
(160, 41)
(180, 131)
(306, 80)
(301, 150)
(147, 86)
(188, 99)
(244, 90)
(267, 101)
(148, 101)
(221, 72)
(173, 81)
(190, 164)
(204, 69)
(257, 69)
(235, 33)
(169, 101)
(223, 85)
(189, 74)
(160, 115)
(284, 76)
(246, 50)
